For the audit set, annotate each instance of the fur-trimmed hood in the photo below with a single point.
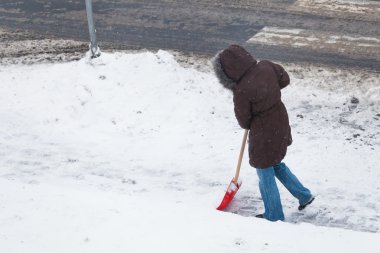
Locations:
(231, 64)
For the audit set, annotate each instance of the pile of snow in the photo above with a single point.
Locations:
(134, 152)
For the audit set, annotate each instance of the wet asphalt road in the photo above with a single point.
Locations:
(201, 27)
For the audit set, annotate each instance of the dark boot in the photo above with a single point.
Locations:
(301, 207)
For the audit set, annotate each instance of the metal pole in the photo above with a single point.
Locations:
(91, 27)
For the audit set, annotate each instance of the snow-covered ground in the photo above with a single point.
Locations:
(133, 152)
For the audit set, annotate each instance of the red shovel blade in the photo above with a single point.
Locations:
(230, 193)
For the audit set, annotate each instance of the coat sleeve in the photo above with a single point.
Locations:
(282, 75)
(242, 107)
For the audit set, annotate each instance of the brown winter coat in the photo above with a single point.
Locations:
(257, 100)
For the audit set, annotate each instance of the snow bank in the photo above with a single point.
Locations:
(134, 151)
(67, 220)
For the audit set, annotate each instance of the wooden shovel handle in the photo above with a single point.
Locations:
(241, 156)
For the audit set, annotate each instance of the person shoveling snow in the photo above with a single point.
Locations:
(256, 88)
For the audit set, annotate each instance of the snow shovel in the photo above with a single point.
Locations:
(235, 183)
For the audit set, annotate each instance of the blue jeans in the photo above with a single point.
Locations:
(270, 194)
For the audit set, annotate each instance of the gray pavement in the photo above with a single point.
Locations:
(339, 33)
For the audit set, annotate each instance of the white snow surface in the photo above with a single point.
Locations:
(132, 152)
